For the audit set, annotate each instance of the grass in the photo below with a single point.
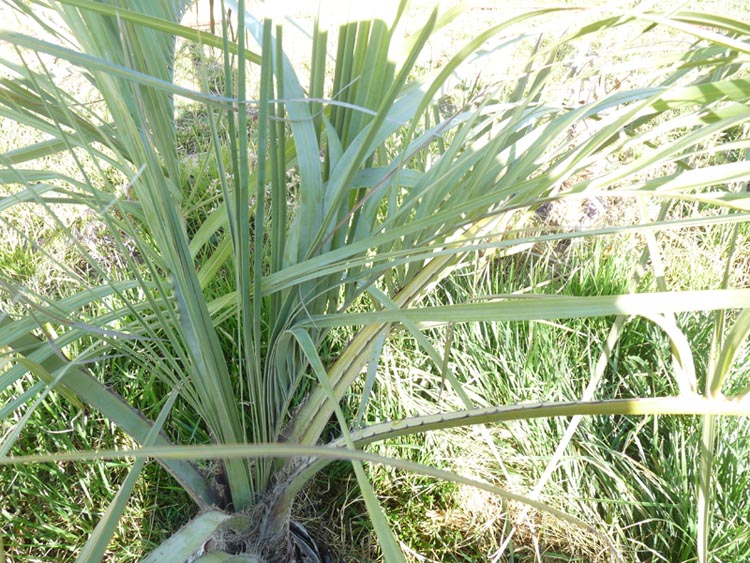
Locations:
(74, 492)
(633, 475)
(631, 478)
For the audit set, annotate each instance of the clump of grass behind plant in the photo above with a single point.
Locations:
(631, 478)
(74, 491)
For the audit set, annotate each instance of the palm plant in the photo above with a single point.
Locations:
(392, 197)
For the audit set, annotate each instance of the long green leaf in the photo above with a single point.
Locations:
(388, 544)
(95, 63)
(546, 307)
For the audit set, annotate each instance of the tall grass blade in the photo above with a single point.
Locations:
(705, 483)
(731, 347)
